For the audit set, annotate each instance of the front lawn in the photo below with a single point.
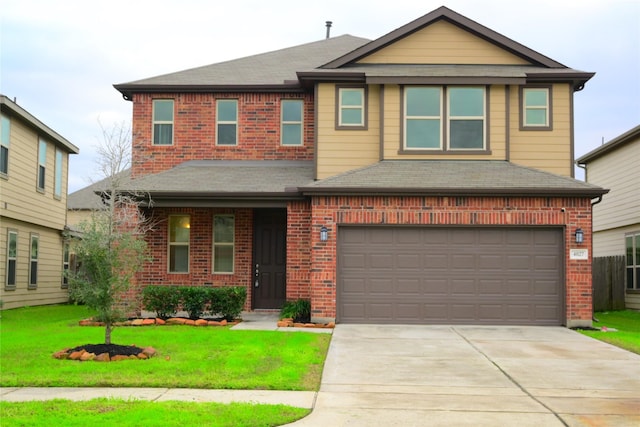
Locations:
(188, 357)
(627, 325)
(122, 413)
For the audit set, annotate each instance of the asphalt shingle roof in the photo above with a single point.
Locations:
(87, 197)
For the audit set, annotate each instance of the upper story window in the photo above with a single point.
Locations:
(291, 125)
(223, 243)
(535, 108)
(632, 244)
(179, 238)
(12, 256)
(162, 121)
(428, 125)
(351, 108)
(5, 138)
(57, 185)
(227, 121)
(42, 164)
(33, 261)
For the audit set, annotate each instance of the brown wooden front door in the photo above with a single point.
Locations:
(269, 258)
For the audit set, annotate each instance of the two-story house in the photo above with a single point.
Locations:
(616, 221)
(34, 164)
(422, 177)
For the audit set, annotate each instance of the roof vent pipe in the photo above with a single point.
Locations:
(328, 23)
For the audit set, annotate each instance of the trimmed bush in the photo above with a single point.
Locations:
(194, 299)
(164, 300)
(227, 301)
(299, 310)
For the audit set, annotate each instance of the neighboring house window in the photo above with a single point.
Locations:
(291, 127)
(65, 266)
(57, 185)
(162, 122)
(179, 237)
(5, 132)
(351, 108)
(42, 164)
(632, 243)
(536, 108)
(425, 118)
(223, 243)
(33, 261)
(12, 256)
(227, 120)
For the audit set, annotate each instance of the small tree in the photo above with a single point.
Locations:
(111, 249)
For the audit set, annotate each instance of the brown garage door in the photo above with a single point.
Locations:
(508, 276)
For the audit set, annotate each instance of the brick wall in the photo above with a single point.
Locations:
(298, 250)
(195, 130)
(570, 213)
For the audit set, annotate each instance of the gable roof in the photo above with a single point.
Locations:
(451, 177)
(456, 19)
(627, 137)
(10, 107)
(274, 70)
(88, 198)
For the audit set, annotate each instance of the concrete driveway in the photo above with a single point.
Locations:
(400, 375)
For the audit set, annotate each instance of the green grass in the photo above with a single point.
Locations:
(627, 323)
(137, 413)
(189, 357)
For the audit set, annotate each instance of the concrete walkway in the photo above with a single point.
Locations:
(402, 375)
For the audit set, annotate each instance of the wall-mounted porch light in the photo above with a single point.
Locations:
(324, 234)
(579, 235)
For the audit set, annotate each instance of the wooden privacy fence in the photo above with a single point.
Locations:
(608, 283)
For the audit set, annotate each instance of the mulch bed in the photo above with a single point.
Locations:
(105, 353)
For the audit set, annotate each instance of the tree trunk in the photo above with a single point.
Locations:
(107, 333)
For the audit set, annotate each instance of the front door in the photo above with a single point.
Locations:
(269, 258)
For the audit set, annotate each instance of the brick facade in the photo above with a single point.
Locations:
(194, 135)
(570, 213)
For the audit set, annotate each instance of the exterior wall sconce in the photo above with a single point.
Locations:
(324, 234)
(579, 235)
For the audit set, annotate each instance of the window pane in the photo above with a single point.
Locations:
(4, 159)
(638, 250)
(423, 101)
(423, 134)
(42, 153)
(226, 134)
(179, 259)
(223, 229)
(223, 259)
(629, 246)
(33, 273)
(58, 178)
(629, 278)
(292, 111)
(535, 97)
(41, 172)
(34, 248)
(5, 126)
(351, 116)
(291, 134)
(466, 101)
(162, 134)
(536, 117)
(179, 227)
(13, 245)
(163, 110)
(466, 134)
(352, 97)
(227, 110)
(11, 274)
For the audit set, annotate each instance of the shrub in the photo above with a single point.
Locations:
(227, 301)
(194, 300)
(299, 310)
(164, 300)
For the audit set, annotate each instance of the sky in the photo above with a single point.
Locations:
(60, 60)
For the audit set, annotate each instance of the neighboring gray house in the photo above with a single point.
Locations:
(616, 220)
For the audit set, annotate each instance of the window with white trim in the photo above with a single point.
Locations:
(12, 259)
(291, 122)
(65, 266)
(34, 249)
(162, 121)
(536, 107)
(42, 164)
(5, 140)
(223, 244)
(57, 184)
(428, 125)
(632, 249)
(351, 108)
(179, 239)
(227, 122)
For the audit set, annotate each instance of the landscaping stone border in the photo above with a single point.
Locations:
(158, 321)
(289, 323)
(85, 356)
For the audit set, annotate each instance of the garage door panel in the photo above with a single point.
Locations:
(449, 275)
